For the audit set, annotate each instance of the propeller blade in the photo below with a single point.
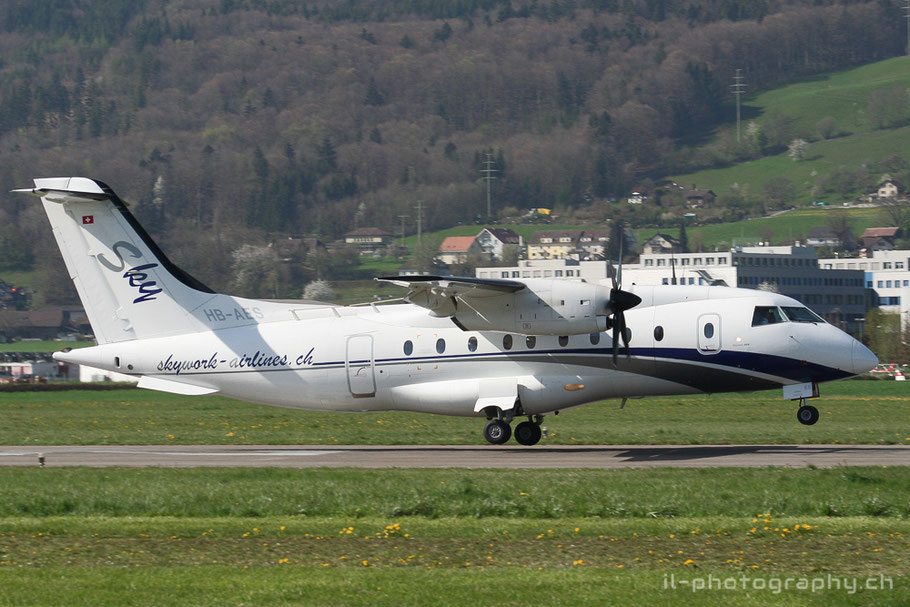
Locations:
(615, 339)
(619, 272)
(625, 338)
(611, 272)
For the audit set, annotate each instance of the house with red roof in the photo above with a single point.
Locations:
(880, 239)
(456, 249)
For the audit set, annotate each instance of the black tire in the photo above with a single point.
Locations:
(807, 415)
(497, 432)
(527, 433)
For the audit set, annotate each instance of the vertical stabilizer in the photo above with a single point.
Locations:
(129, 288)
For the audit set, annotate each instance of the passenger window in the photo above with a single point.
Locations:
(530, 341)
(408, 348)
(472, 344)
(507, 342)
(440, 346)
(767, 315)
(709, 330)
(595, 339)
(563, 340)
(658, 333)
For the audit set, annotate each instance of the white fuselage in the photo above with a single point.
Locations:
(399, 357)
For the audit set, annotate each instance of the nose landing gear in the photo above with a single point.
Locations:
(806, 414)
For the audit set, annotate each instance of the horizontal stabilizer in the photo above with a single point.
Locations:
(174, 387)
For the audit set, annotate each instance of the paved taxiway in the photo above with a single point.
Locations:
(458, 456)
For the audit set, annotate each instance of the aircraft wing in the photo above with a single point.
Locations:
(438, 293)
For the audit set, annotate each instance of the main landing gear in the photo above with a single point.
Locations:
(498, 431)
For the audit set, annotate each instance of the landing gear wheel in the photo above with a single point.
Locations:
(497, 432)
(527, 433)
(807, 415)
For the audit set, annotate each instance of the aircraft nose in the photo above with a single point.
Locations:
(863, 358)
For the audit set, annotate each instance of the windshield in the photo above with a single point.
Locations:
(767, 315)
(802, 315)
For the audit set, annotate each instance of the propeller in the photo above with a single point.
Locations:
(620, 301)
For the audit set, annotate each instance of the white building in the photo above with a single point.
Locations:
(494, 240)
(589, 271)
(887, 273)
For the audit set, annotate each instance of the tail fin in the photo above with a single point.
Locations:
(129, 288)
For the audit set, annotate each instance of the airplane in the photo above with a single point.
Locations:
(488, 348)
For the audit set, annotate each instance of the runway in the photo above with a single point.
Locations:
(460, 456)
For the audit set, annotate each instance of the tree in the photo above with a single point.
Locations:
(620, 240)
(882, 333)
(444, 32)
(683, 237)
(255, 271)
(888, 107)
(896, 212)
(328, 158)
(779, 190)
(373, 96)
(841, 226)
(318, 290)
(826, 128)
(797, 149)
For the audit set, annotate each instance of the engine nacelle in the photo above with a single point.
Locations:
(545, 307)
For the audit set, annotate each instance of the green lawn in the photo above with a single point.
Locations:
(822, 157)
(784, 228)
(841, 95)
(452, 537)
(42, 346)
(851, 412)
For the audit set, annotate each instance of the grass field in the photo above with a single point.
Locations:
(358, 537)
(786, 228)
(841, 95)
(452, 537)
(851, 412)
(42, 346)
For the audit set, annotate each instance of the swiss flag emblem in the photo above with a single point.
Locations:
(87, 219)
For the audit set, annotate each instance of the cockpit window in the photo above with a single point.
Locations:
(802, 315)
(767, 315)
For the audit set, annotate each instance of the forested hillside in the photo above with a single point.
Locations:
(230, 121)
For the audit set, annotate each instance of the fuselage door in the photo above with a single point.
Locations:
(708, 339)
(358, 364)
